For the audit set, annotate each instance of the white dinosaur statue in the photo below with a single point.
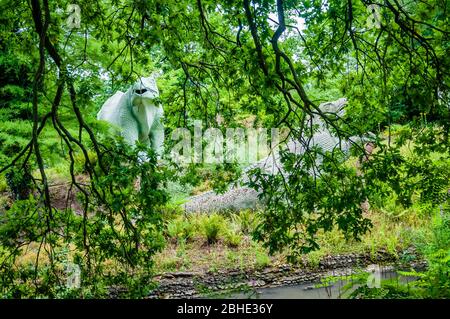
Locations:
(136, 114)
(322, 138)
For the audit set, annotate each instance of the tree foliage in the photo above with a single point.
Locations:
(230, 58)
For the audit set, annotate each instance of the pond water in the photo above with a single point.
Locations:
(312, 290)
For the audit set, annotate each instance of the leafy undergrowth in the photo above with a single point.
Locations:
(223, 241)
(220, 242)
(432, 283)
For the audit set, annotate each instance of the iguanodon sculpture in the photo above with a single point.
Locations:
(242, 197)
(136, 114)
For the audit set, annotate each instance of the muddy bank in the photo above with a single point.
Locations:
(193, 285)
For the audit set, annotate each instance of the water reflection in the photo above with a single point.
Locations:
(333, 290)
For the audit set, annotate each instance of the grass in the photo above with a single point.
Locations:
(233, 247)
(388, 234)
(200, 242)
(200, 258)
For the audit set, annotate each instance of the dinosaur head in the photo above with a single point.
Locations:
(144, 90)
(336, 107)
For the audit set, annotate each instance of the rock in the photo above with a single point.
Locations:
(183, 286)
(184, 274)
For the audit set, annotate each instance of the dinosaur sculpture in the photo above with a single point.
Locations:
(242, 197)
(136, 114)
(323, 138)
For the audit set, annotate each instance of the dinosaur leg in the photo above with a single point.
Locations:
(157, 136)
(130, 134)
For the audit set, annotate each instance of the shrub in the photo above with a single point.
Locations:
(247, 221)
(3, 184)
(435, 282)
(172, 211)
(212, 226)
(170, 264)
(180, 229)
(20, 182)
(232, 238)
(262, 259)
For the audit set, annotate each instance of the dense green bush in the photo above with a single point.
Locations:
(180, 229)
(19, 182)
(112, 240)
(213, 226)
(247, 221)
(233, 238)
